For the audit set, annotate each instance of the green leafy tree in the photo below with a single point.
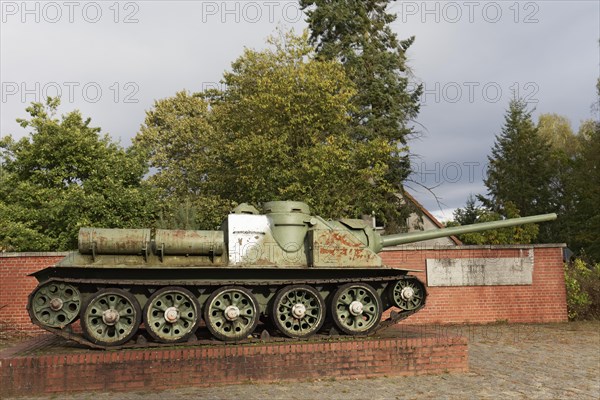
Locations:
(17, 229)
(577, 159)
(564, 147)
(177, 139)
(279, 130)
(582, 275)
(556, 130)
(64, 176)
(179, 142)
(582, 280)
(522, 169)
(583, 189)
(184, 217)
(546, 168)
(284, 120)
(586, 212)
(358, 34)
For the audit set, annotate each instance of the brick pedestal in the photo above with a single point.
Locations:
(61, 370)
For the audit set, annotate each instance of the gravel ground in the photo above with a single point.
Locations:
(547, 361)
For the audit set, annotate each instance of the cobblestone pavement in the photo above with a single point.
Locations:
(549, 361)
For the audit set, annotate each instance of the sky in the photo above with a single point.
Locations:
(113, 59)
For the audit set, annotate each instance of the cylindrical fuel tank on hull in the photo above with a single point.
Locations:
(113, 241)
(192, 243)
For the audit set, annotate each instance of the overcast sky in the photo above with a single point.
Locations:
(111, 60)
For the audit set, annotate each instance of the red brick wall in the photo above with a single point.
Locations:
(543, 301)
(15, 286)
(159, 369)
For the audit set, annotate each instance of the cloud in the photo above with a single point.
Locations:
(470, 56)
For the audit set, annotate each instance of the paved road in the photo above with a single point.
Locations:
(550, 361)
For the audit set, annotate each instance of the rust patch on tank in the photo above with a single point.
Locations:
(340, 248)
(340, 238)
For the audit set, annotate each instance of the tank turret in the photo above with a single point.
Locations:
(286, 266)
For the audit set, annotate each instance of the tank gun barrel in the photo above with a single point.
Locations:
(403, 238)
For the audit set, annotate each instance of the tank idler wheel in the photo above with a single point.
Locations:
(407, 294)
(298, 311)
(55, 304)
(356, 308)
(111, 317)
(171, 315)
(231, 313)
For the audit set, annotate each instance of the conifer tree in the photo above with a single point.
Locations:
(521, 168)
(358, 34)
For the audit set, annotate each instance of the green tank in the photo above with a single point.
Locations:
(295, 273)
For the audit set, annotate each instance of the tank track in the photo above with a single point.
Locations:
(141, 339)
(141, 342)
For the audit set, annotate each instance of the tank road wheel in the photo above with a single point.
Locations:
(55, 304)
(231, 313)
(298, 311)
(111, 317)
(171, 315)
(356, 308)
(407, 294)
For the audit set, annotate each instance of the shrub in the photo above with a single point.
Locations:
(583, 289)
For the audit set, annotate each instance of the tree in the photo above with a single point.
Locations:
(522, 169)
(470, 214)
(577, 171)
(177, 138)
(474, 213)
(279, 130)
(179, 142)
(556, 130)
(64, 176)
(358, 34)
(564, 148)
(583, 214)
(17, 230)
(284, 117)
(547, 168)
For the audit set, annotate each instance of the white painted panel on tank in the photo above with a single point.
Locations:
(480, 271)
(250, 243)
(248, 238)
